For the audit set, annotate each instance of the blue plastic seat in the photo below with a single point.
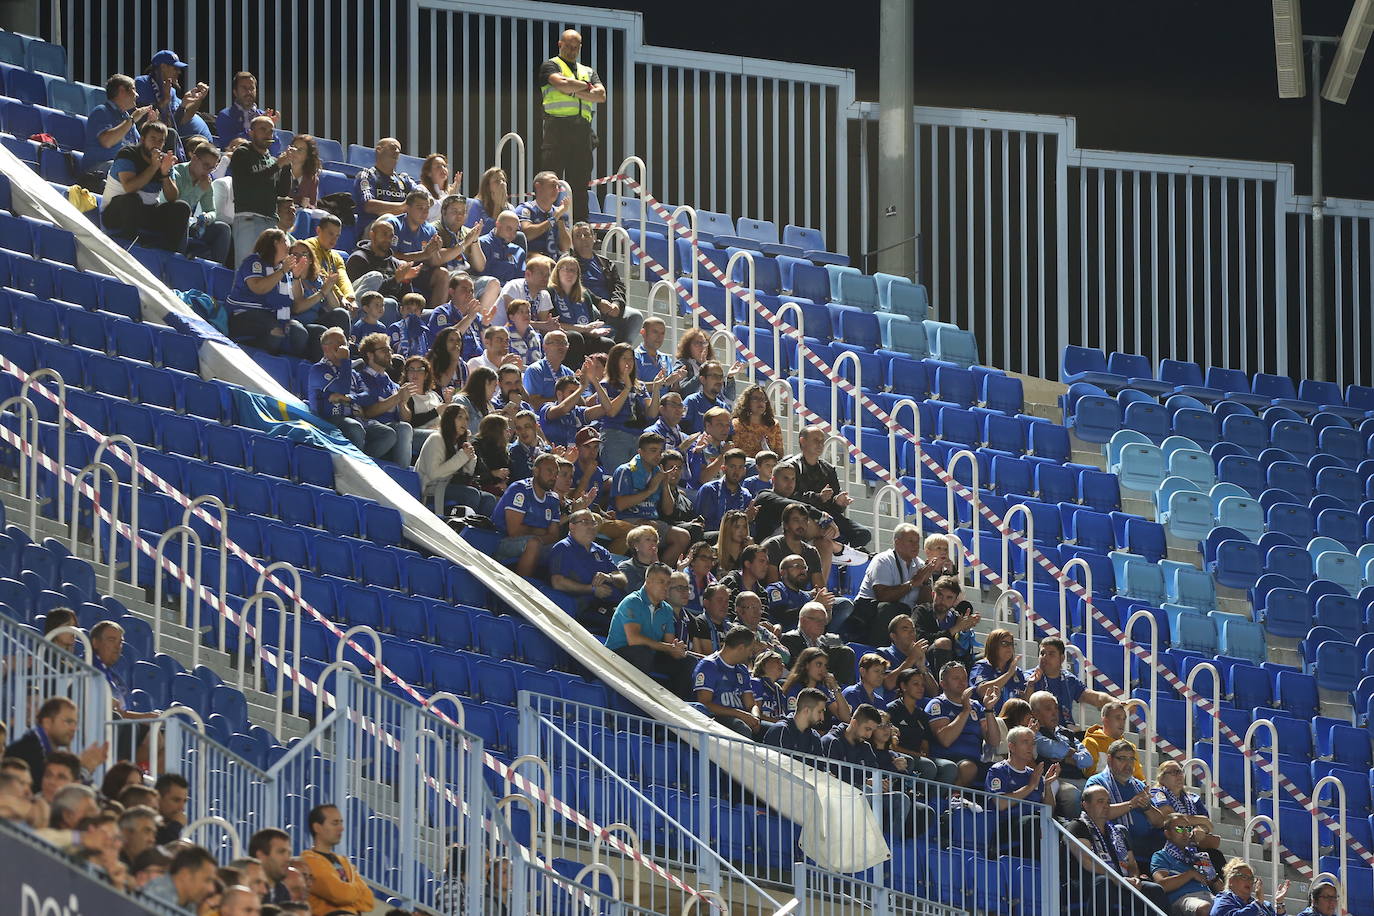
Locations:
(1198, 425)
(1341, 525)
(1292, 477)
(1342, 483)
(812, 244)
(1242, 513)
(1141, 467)
(1238, 564)
(1148, 418)
(1338, 666)
(1341, 568)
(1192, 588)
(1188, 515)
(1087, 364)
(1099, 490)
(45, 57)
(860, 329)
(1049, 441)
(1144, 580)
(858, 290)
(1193, 465)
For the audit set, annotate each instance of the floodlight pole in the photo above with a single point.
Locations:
(1319, 316)
(896, 248)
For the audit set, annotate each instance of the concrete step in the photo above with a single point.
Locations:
(1142, 505)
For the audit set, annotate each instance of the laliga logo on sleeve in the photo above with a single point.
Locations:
(33, 906)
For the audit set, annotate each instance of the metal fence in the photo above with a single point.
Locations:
(33, 670)
(951, 848)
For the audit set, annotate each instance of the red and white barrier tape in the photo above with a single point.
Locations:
(545, 797)
(964, 493)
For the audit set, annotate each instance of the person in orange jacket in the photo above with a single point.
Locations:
(337, 884)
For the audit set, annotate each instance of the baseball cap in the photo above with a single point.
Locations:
(587, 434)
(167, 57)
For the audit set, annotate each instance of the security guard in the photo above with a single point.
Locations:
(570, 92)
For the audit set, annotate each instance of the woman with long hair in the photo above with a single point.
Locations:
(118, 777)
(693, 350)
(493, 196)
(734, 537)
(630, 405)
(493, 451)
(476, 396)
(811, 668)
(699, 564)
(997, 668)
(458, 244)
(267, 282)
(315, 301)
(425, 404)
(576, 309)
(754, 428)
(445, 362)
(434, 178)
(448, 464)
(305, 172)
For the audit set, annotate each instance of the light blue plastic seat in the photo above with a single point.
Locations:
(1140, 468)
(1341, 568)
(1241, 638)
(1191, 587)
(1144, 580)
(1222, 490)
(1242, 513)
(1189, 515)
(1120, 440)
(1194, 465)
(1168, 487)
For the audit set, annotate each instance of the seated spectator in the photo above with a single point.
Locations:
(434, 179)
(208, 236)
(693, 350)
(723, 494)
(189, 880)
(869, 689)
(118, 777)
(915, 739)
(1020, 778)
(628, 405)
(150, 865)
(642, 543)
(544, 372)
(305, 174)
(1108, 842)
(754, 429)
(574, 309)
(138, 178)
(730, 544)
(812, 669)
(446, 364)
(770, 705)
(795, 588)
(493, 456)
(496, 352)
(418, 242)
(380, 190)
(1100, 737)
(1170, 796)
(813, 622)
(329, 262)
(562, 417)
(459, 245)
(1050, 675)
(584, 569)
(1244, 893)
(706, 455)
(721, 683)
(669, 422)
(56, 619)
(818, 485)
(588, 478)
(699, 564)
(678, 590)
(510, 397)
(335, 391)
(336, 886)
(257, 179)
(374, 267)
(649, 362)
(601, 278)
(1057, 744)
(271, 847)
(55, 729)
(1184, 873)
(314, 299)
(411, 335)
(372, 310)
(236, 119)
(637, 493)
(286, 217)
(23, 812)
(465, 312)
(111, 126)
(1323, 899)
(526, 446)
(447, 464)
(173, 791)
(708, 628)
(749, 612)
(527, 515)
(998, 668)
(683, 514)
(70, 805)
(905, 650)
(505, 260)
(773, 501)
(895, 582)
(525, 341)
(541, 218)
(795, 731)
(491, 201)
(158, 87)
(533, 287)
(1131, 800)
(383, 401)
(796, 525)
(749, 575)
(644, 631)
(60, 769)
(713, 393)
(948, 622)
(960, 723)
(762, 478)
(851, 743)
(476, 395)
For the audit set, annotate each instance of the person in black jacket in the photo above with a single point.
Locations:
(56, 729)
(797, 731)
(601, 278)
(818, 485)
(947, 623)
(373, 265)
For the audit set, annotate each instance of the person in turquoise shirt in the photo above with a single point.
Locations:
(643, 631)
(208, 235)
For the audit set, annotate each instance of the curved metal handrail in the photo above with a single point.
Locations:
(642, 193)
(779, 395)
(1007, 517)
(705, 894)
(1208, 772)
(1273, 768)
(602, 837)
(61, 425)
(297, 610)
(917, 453)
(155, 727)
(189, 538)
(951, 519)
(852, 469)
(600, 868)
(696, 246)
(80, 635)
(999, 607)
(95, 471)
(1075, 563)
(547, 773)
(518, 176)
(1132, 703)
(134, 485)
(222, 549)
(363, 629)
(254, 659)
(750, 296)
(1275, 854)
(235, 843)
(1216, 704)
(28, 465)
(329, 699)
(1343, 842)
(452, 698)
(1152, 721)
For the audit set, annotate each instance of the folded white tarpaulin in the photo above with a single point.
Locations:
(839, 830)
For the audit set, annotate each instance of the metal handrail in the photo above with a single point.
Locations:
(547, 773)
(779, 395)
(331, 699)
(999, 608)
(235, 842)
(621, 253)
(80, 635)
(134, 484)
(295, 577)
(28, 465)
(1151, 721)
(852, 469)
(223, 548)
(704, 894)
(189, 538)
(1216, 732)
(952, 520)
(155, 726)
(1275, 855)
(1250, 770)
(1075, 563)
(1007, 517)
(1197, 763)
(750, 296)
(917, 453)
(672, 247)
(622, 169)
(518, 176)
(1342, 837)
(632, 835)
(362, 629)
(253, 659)
(61, 425)
(95, 471)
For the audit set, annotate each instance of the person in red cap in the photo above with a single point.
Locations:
(158, 87)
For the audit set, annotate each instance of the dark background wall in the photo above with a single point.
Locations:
(1188, 77)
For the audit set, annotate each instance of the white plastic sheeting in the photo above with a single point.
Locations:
(810, 798)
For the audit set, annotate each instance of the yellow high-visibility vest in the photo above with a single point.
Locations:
(557, 103)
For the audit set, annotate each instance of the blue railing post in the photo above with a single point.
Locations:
(528, 738)
(1050, 850)
(410, 789)
(708, 867)
(474, 803)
